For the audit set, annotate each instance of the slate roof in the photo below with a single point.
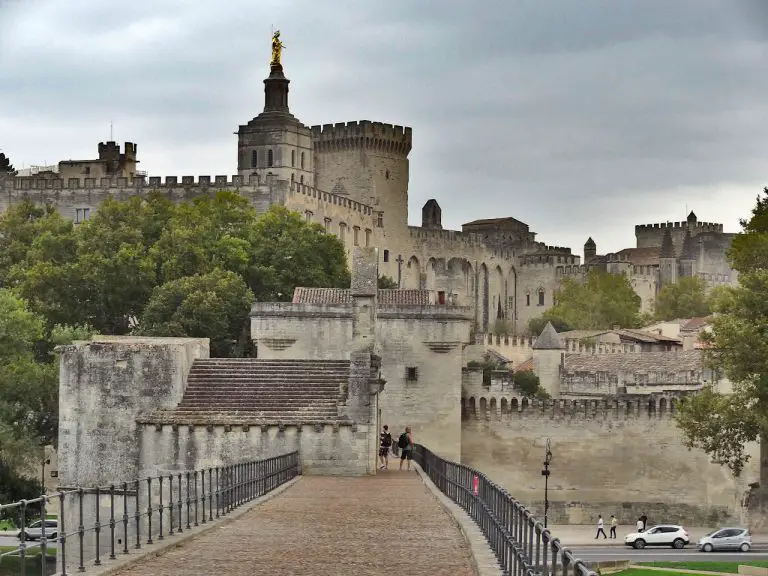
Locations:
(389, 297)
(635, 363)
(643, 336)
(549, 339)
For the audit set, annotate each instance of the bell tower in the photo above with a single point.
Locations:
(275, 142)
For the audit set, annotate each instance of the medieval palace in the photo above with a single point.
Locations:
(352, 178)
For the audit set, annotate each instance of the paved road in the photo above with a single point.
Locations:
(11, 541)
(596, 553)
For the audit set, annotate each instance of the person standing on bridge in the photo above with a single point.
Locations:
(405, 443)
(385, 443)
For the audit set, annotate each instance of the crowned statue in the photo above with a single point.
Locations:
(277, 49)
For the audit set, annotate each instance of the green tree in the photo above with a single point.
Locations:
(737, 346)
(213, 305)
(386, 283)
(6, 168)
(536, 325)
(600, 302)
(529, 385)
(289, 252)
(687, 298)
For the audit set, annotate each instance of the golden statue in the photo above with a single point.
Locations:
(277, 49)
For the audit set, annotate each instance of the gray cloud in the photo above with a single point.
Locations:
(580, 118)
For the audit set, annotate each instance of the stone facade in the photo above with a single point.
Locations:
(352, 179)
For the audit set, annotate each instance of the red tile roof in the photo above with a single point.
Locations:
(387, 297)
(526, 366)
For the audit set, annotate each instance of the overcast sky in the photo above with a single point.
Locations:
(577, 117)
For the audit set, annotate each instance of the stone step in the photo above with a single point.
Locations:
(266, 371)
(269, 376)
(226, 391)
(262, 388)
(275, 363)
(267, 403)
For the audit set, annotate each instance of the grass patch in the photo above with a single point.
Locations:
(6, 525)
(711, 566)
(641, 572)
(30, 552)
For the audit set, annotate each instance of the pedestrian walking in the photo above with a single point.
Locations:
(614, 523)
(405, 443)
(385, 443)
(600, 528)
(639, 524)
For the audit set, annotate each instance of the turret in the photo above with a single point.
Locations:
(590, 249)
(431, 215)
(547, 358)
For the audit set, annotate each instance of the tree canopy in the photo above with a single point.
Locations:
(5, 166)
(600, 302)
(737, 346)
(687, 298)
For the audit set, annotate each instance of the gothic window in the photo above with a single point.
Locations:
(367, 238)
(541, 297)
(327, 224)
(308, 215)
(82, 214)
(302, 160)
(356, 234)
(342, 230)
(254, 159)
(380, 220)
(293, 158)
(270, 158)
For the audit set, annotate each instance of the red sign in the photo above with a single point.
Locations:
(476, 485)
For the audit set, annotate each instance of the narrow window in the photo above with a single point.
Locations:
(301, 179)
(380, 220)
(441, 297)
(527, 299)
(293, 158)
(411, 373)
(386, 255)
(356, 233)
(302, 160)
(327, 224)
(541, 297)
(270, 158)
(367, 238)
(255, 159)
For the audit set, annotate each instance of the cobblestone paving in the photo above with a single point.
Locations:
(384, 525)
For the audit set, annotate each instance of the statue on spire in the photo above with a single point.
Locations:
(277, 49)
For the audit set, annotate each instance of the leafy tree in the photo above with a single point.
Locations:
(386, 283)
(527, 382)
(6, 168)
(687, 298)
(602, 301)
(737, 346)
(289, 252)
(213, 305)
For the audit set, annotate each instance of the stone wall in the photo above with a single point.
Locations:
(605, 462)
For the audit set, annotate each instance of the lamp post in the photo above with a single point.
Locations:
(546, 473)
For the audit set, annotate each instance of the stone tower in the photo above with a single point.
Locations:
(547, 358)
(667, 260)
(432, 215)
(275, 142)
(368, 162)
(590, 249)
(688, 255)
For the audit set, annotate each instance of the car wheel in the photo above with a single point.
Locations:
(639, 544)
(744, 547)
(20, 536)
(678, 544)
(707, 548)
(51, 536)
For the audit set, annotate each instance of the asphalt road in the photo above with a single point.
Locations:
(689, 553)
(11, 541)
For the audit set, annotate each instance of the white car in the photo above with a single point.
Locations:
(662, 535)
(35, 531)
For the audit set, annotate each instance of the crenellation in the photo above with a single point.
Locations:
(363, 134)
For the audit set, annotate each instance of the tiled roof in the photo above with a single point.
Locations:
(389, 297)
(526, 366)
(643, 336)
(498, 356)
(635, 363)
(548, 339)
(696, 323)
(640, 256)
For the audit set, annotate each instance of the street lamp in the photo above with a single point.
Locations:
(546, 473)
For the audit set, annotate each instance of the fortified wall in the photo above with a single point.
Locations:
(651, 235)
(625, 458)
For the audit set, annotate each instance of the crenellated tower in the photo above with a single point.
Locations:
(275, 142)
(368, 162)
(667, 260)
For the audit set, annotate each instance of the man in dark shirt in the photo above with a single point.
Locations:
(385, 443)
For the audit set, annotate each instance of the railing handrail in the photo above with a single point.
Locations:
(519, 540)
(221, 488)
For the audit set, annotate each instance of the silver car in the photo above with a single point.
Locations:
(726, 539)
(35, 531)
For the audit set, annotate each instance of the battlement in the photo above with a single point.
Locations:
(363, 134)
(607, 408)
(520, 348)
(455, 237)
(330, 198)
(695, 227)
(560, 249)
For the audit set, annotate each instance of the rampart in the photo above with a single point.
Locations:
(363, 134)
(448, 239)
(519, 348)
(621, 456)
(651, 235)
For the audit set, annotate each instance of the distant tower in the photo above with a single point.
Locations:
(688, 255)
(590, 249)
(548, 353)
(667, 260)
(691, 219)
(275, 142)
(432, 215)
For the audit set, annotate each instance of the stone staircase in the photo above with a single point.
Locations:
(245, 390)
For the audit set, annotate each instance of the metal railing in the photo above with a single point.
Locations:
(522, 545)
(89, 526)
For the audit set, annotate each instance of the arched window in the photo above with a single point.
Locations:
(302, 160)
(293, 158)
(541, 297)
(270, 157)
(254, 159)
